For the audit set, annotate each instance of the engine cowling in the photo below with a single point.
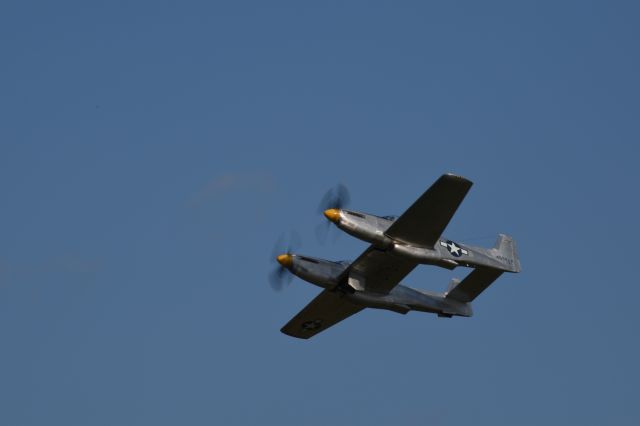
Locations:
(363, 226)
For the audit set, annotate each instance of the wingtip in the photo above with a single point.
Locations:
(289, 333)
(453, 176)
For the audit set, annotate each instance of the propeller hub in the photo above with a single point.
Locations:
(333, 215)
(285, 260)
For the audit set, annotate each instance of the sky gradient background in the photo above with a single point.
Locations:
(152, 153)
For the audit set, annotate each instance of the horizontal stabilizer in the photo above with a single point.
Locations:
(454, 282)
(474, 284)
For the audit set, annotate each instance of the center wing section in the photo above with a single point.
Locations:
(424, 222)
(378, 271)
(327, 309)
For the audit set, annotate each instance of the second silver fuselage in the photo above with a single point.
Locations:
(402, 299)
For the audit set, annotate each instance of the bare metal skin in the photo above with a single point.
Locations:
(398, 245)
(372, 229)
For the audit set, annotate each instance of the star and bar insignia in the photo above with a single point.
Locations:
(453, 248)
(312, 325)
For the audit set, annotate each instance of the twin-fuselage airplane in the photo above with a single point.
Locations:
(398, 245)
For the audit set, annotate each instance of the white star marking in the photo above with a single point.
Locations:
(454, 248)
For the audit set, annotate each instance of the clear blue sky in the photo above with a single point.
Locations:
(151, 154)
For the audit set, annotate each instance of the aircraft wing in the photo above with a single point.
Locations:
(474, 284)
(327, 309)
(379, 271)
(423, 223)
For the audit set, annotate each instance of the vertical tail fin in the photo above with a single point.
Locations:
(506, 250)
(452, 284)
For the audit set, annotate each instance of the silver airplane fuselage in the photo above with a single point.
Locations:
(402, 299)
(445, 253)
